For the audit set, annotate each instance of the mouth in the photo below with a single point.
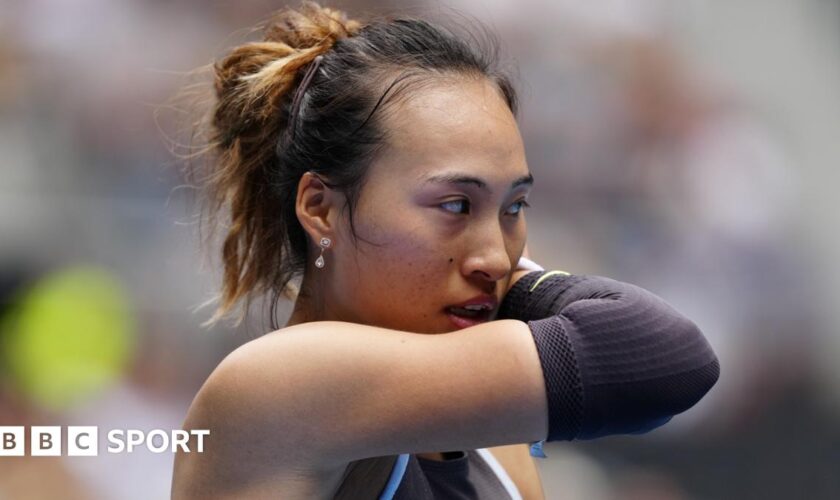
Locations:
(466, 317)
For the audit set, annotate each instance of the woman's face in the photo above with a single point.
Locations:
(444, 202)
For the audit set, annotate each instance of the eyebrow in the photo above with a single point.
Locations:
(459, 178)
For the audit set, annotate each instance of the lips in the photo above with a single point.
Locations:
(472, 312)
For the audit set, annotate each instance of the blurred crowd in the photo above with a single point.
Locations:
(650, 168)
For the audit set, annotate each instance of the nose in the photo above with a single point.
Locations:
(489, 260)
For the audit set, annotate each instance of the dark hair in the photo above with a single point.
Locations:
(255, 171)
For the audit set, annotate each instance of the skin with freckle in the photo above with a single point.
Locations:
(459, 126)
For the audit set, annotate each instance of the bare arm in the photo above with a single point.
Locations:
(321, 394)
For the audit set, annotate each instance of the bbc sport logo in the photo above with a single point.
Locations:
(83, 441)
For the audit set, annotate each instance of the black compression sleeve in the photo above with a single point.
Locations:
(616, 358)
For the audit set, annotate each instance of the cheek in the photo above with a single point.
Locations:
(409, 258)
(401, 279)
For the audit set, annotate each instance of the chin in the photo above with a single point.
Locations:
(429, 326)
(443, 326)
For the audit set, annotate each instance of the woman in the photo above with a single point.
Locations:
(383, 163)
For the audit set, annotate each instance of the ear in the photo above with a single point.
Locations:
(317, 207)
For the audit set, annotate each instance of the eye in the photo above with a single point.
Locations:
(462, 203)
(520, 205)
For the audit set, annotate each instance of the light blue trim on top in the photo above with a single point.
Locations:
(537, 449)
(394, 480)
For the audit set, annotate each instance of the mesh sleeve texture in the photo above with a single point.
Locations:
(616, 358)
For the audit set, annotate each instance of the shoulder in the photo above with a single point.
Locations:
(517, 461)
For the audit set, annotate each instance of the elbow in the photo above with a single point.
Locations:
(617, 358)
(680, 368)
(660, 399)
(662, 366)
(683, 376)
(688, 367)
(700, 373)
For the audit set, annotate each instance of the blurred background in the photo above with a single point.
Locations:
(688, 147)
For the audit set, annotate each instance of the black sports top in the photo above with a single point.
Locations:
(469, 475)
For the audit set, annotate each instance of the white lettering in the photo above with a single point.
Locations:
(115, 438)
(180, 439)
(164, 437)
(200, 433)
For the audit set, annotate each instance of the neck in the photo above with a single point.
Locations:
(309, 305)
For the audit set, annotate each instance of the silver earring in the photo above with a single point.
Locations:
(319, 262)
